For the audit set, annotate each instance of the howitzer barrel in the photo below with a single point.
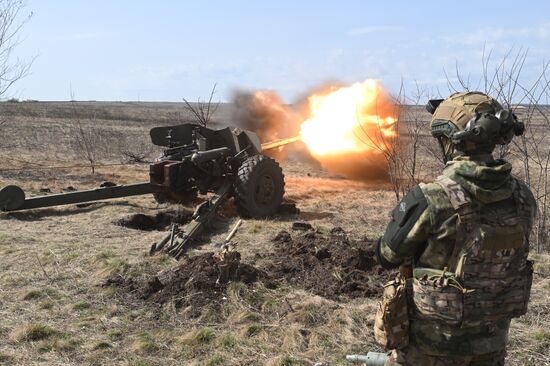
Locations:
(12, 198)
(208, 155)
(279, 143)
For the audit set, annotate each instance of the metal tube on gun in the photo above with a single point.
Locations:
(275, 144)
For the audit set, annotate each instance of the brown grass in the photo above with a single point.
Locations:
(54, 260)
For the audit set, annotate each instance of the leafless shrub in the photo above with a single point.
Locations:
(140, 154)
(134, 157)
(131, 147)
(530, 152)
(406, 166)
(203, 111)
(10, 70)
(529, 101)
(533, 149)
(418, 152)
(85, 139)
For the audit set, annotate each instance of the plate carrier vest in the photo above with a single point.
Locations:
(488, 277)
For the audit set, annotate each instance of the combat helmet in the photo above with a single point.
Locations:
(471, 123)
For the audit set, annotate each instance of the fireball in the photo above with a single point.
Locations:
(352, 120)
(346, 129)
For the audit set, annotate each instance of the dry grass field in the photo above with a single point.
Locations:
(76, 287)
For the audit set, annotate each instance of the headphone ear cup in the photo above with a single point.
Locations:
(519, 128)
(510, 127)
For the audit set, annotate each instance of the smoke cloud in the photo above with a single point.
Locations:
(265, 113)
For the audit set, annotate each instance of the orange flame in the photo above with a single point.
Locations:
(346, 129)
(349, 120)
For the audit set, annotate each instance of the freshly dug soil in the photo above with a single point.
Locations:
(160, 221)
(332, 266)
(191, 283)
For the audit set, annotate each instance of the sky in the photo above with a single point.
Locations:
(131, 50)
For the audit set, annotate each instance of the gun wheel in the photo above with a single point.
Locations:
(259, 187)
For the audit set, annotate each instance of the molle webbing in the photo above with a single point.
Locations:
(522, 208)
(391, 323)
(490, 277)
(462, 204)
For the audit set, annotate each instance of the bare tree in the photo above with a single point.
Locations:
(418, 153)
(203, 111)
(11, 23)
(405, 164)
(136, 153)
(529, 100)
(10, 26)
(85, 138)
(533, 150)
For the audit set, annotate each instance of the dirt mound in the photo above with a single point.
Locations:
(193, 282)
(332, 266)
(160, 221)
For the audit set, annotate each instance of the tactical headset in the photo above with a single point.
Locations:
(481, 133)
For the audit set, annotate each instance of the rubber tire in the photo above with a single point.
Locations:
(246, 188)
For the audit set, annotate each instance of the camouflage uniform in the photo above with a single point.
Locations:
(468, 237)
(431, 242)
(414, 356)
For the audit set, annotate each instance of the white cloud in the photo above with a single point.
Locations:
(372, 29)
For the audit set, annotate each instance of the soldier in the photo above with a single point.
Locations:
(467, 238)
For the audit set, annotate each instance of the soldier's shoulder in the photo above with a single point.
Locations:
(436, 196)
(439, 205)
(525, 192)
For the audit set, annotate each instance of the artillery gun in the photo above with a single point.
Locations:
(195, 160)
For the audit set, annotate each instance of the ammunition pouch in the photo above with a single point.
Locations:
(440, 296)
(437, 296)
(490, 277)
(391, 324)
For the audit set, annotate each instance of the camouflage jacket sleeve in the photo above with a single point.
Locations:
(410, 247)
(427, 242)
(530, 200)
